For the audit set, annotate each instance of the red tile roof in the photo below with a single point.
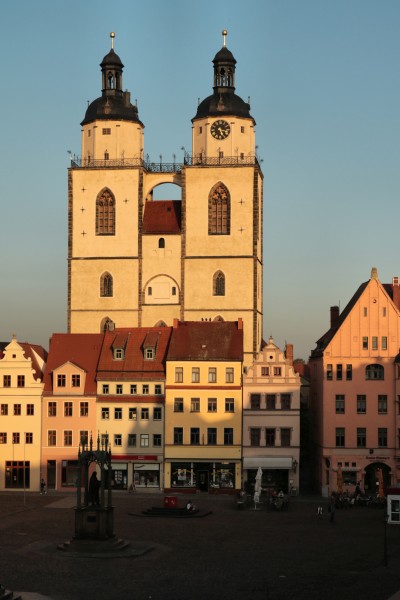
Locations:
(162, 216)
(193, 340)
(133, 366)
(81, 349)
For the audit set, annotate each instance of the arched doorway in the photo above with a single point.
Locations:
(371, 477)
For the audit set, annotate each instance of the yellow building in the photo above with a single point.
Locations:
(203, 407)
(21, 385)
(136, 262)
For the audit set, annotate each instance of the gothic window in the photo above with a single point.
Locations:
(219, 211)
(106, 285)
(219, 284)
(106, 325)
(105, 213)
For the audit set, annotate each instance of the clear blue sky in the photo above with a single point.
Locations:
(323, 77)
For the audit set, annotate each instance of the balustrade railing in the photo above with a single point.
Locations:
(160, 166)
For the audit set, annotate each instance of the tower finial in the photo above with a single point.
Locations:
(224, 34)
(112, 36)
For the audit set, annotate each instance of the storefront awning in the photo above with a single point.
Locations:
(146, 467)
(276, 462)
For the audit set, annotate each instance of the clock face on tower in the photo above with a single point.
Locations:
(220, 129)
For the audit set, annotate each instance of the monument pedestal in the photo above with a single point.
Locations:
(94, 523)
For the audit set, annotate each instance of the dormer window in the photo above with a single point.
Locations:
(149, 353)
(118, 353)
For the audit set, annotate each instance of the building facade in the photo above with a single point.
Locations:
(136, 262)
(271, 420)
(354, 394)
(130, 404)
(21, 385)
(203, 407)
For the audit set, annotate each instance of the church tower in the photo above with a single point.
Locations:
(134, 261)
(222, 210)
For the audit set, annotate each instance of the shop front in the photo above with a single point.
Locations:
(278, 473)
(146, 475)
(212, 477)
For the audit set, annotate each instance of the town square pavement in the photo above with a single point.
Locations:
(229, 554)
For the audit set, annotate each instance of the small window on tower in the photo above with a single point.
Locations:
(89, 133)
(200, 130)
(242, 129)
(106, 131)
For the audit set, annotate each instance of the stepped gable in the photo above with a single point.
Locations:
(216, 340)
(81, 349)
(133, 365)
(32, 351)
(162, 216)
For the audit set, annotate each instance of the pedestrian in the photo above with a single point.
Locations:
(320, 511)
(332, 509)
(42, 487)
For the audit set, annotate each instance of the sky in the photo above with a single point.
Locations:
(324, 86)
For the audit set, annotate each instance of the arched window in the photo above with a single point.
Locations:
(161, 243)
(106, 285)
(105, 213)
(106, 325)
(219, 210)
(218, 319)
(374, 372)
(219, 284)
(160, 324)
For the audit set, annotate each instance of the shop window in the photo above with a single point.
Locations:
(69, 473)
(17, 474)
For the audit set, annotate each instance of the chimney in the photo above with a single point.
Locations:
(334, 316)
(240, 323)
(289, 353)
(127, 98)
(396, 292)
(176, 323)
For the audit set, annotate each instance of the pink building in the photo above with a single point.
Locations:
(355, 391)
(69, 404)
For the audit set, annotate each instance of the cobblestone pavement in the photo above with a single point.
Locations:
(232, 554)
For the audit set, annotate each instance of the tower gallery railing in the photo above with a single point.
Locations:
(163, 167)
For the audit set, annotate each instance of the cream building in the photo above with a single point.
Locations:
(136, 262)
(21, 385)
(271, 420)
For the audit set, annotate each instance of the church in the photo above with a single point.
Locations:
(138, 262)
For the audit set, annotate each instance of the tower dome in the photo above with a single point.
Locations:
(113, 104)
(223, 101)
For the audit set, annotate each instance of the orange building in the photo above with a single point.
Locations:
(355, 391)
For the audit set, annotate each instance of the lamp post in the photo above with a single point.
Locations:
(385, 548)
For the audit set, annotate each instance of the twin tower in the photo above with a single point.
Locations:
(138, 262)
